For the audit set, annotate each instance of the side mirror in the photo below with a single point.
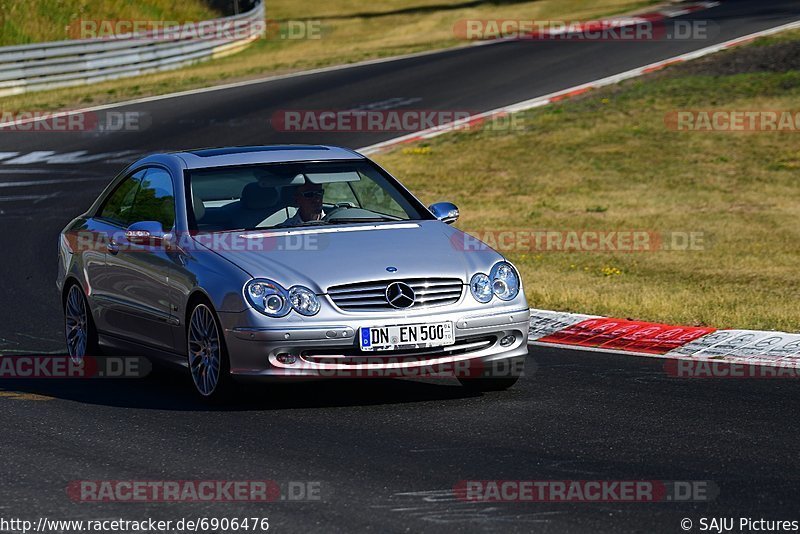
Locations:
(446, 212)
(145, 233)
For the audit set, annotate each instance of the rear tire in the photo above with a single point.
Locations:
(207, 356)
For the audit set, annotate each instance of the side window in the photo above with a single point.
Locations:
(118, 207)
(155, 200)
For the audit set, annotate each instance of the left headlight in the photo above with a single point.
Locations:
(505, 281)
(270, 298)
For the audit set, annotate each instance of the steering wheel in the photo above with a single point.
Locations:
(339, 206)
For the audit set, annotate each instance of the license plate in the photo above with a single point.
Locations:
(406, 336)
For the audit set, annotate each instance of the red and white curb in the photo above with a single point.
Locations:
(624, 20)
(558, 96)
(623, 336)
(675, 11)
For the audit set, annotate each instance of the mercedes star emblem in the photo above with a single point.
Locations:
(399, 295)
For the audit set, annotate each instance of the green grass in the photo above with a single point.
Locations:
(607, 162)
(783, 37)
(350, 31)
(26, 21)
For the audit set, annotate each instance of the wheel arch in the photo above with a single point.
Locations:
(69, 281)
(197, 296)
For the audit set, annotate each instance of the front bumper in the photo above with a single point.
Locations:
(329, 349)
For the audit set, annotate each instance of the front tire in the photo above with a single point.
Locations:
(206, 353)
(79, 330)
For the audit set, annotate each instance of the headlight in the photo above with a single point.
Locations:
(303, 300)
(481, 287)
(268, 297)
(505, 281)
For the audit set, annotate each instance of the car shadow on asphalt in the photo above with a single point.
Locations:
(171, 389)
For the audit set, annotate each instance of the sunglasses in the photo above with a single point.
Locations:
(313, 194)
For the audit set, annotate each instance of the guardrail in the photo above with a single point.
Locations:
(42, 66)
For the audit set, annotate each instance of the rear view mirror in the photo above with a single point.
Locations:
(446, 212)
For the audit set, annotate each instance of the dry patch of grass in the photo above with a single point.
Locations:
(349, 31)
(607, 162)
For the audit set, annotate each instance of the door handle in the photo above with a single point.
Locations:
(112, 247)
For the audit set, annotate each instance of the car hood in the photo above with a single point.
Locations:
(320, 257)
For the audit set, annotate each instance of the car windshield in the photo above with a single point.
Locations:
(288, 195)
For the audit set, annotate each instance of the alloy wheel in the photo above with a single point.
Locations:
(204, 350)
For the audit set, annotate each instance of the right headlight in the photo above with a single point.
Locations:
(481, 288)
(505, 281)
(268, 297)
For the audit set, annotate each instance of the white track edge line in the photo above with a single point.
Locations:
(739, 360)
(546, 99)
(266, 79)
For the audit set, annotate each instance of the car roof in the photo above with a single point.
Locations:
(249, 155)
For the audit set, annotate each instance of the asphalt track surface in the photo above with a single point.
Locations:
(388, 453)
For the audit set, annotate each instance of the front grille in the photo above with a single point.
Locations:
(371, 296)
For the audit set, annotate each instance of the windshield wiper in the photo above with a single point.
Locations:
(319, 222)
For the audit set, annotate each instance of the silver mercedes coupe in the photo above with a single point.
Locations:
(278, 262)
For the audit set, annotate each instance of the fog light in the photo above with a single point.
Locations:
(508, 340)
(286, 359)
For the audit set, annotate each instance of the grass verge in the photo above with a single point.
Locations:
(349, 31)
(24, 21)
(607, 161)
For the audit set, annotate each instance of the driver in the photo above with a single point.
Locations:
(308, 198)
